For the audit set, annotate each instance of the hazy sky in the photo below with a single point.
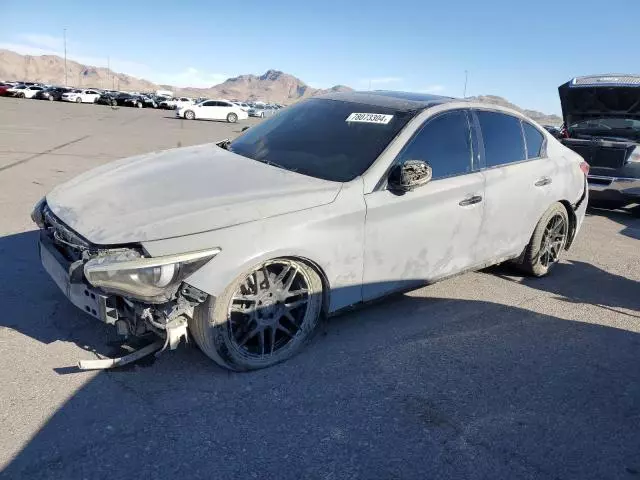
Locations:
(519, 52)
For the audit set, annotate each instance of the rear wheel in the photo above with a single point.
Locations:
(232, 118)
(548, 241)
(264, 317)
(20, 95)
(189, 115)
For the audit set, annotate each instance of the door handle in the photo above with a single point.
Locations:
(543, 181)
(470, 200)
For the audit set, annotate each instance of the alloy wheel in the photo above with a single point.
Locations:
(268, 311)
(553, 240)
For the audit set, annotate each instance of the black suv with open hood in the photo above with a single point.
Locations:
(602, 123)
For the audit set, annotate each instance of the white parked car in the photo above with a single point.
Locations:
(340, 199)
(24, 91)
(81, 96)
(213, 110)
(176, 103)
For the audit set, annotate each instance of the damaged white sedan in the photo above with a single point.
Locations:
(246, 245)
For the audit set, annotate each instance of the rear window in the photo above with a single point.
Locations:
(502, 136)
(314, 138)
(534, 140)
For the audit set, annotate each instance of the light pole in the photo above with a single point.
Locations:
(64, 34)
(466, 76)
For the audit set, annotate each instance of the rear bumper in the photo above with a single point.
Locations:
(614, 188)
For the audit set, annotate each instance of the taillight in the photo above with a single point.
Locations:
(584, 166)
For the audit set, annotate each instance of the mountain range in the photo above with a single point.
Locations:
(272, 86)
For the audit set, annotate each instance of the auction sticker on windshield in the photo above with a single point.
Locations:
(369, 118)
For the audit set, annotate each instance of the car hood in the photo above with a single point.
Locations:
(180, 192)
(582, 102)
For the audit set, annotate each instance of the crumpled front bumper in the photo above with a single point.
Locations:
(68, 277)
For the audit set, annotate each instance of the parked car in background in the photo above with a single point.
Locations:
(24, 91)
(262, 111)
(107, 98)
(51, 93)
(553, 130)
(242, 105)
(176, 102)
(140, 101)
(602, 123)
(81, 96)
(3, 89)
(262, 236)
(213, 110)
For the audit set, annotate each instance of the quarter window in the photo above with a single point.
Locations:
(534, 140)
(502, 136)
(445, 143)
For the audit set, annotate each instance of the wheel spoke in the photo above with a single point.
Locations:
(247, 336)
(265, 279)
(289, 316)
(272, 339)
(296, 304)
(284, 329)
(262, 341)
(283, 273)
(295, 293)
(287, 286)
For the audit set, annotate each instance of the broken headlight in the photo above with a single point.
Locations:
(149, 279)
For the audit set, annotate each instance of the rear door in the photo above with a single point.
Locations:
(521, 182)
(224, 109)
(430, 232)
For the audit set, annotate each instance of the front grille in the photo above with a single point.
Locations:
(600, 156)
(608, 157)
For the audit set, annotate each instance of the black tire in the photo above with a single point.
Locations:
(20, 95)
(78, 100)
(213, 323)
(232, 118)
(114, 103)
(190, 115)
(537, 261)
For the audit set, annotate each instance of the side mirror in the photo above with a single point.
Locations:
(409, 175)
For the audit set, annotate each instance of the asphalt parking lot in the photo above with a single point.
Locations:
(485, 376)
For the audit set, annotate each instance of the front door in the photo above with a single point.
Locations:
(430, 232)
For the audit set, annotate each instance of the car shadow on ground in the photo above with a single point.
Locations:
(411, 387)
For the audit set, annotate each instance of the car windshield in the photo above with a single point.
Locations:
(314, 138)
(608, 123)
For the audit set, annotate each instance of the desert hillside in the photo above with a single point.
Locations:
(272, 86)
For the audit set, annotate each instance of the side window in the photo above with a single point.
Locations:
(224, 104)
(445, 143)
(502, 136)
(209, 104)
(534, 140)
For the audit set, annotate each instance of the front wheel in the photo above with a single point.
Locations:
(78, 100)
(189, 115)
(51, 99)
(232, 118)
(20, 95)
(139, 104)
(264, 317)
(547, 242)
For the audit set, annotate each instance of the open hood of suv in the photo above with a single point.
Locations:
(600, 96)
(180, 192)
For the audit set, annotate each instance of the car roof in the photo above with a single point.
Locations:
(401, 101)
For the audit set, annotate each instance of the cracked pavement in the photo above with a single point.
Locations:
(488, 375)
